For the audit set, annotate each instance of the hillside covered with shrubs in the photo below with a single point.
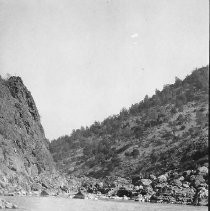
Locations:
(168, 131)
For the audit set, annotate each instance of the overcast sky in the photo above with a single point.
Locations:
(83, 60)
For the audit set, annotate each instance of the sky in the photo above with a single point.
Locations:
(84, 60)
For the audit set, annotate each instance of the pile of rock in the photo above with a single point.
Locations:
(36, 186)
(7, 205)
(188, 187)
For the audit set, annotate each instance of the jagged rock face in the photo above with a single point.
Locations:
(23, 146)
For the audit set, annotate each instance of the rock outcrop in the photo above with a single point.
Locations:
(7, 205)
(24, 154)
(176, 187)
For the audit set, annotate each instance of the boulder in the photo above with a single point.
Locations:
(79, 195)
(198, 180)
(161, 185)
(152, 177)
(149, 190)
(187, 173)
(154, 198)
(140, 198)
(8, 205)
(3, 184)
(192, 178)
(145, 182)
(64, 188)
(124, 192)
(190, 192)
(2, 204)
(44, 193)
(36, 187)
(201, 197)
(112, 192)
(45, 184)
(137, 188)
(136, 180)
(203, 170)
(181, 178)
(175, 175)
(186, 184)
(162, 178)
(177, 182)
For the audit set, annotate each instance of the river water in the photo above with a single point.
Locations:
(66, 204)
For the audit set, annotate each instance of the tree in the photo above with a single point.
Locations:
(145, 103)
(146, 98)
(134, 109)
(138, 131)
(8, 76)
(157, 92)
(200, 118)
(178, 81)
(172, 126)
(87, 150)
(124, 113)
(95, 128)
(180, 100)
(167, 94)
(135, 153)
(153, 115)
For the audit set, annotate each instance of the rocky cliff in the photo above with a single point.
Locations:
(24, 154)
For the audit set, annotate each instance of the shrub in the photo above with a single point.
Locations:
(135, 153)
(182, 127)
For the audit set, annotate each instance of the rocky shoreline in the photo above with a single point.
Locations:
(7, 205)
(189, 187)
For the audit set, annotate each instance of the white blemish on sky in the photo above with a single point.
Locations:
(135, 35)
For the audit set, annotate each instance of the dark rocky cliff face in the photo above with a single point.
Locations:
(24, 153)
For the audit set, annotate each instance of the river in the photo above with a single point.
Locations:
(66, 204)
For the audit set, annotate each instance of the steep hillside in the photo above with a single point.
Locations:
(165, 132)
(24, 154)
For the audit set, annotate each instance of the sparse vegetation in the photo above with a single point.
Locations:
(155, 134)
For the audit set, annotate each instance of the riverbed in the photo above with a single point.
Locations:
(67, 204)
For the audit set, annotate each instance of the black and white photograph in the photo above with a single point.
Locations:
(104, 105)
